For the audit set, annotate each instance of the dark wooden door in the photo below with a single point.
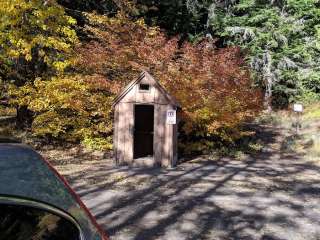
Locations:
(143, 131)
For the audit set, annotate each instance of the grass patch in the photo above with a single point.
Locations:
(307, 141)
(97, 143)
(306, 144)
(246, 146)
(313, 149)
(312, 112)
(281, 118)
(269, 118)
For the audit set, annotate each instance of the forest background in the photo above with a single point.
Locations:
(226, 61)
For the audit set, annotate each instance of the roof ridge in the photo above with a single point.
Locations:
(137, 80)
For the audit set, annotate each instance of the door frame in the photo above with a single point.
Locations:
(134, 124)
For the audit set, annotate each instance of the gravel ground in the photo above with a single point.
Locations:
(271, 196)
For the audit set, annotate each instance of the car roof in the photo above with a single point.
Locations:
(23, 173)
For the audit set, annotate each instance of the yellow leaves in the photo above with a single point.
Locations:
(98, 143)
(153, 31)
(64, 106)
(70, 34)
(56, 43)
(71, 20)
(212, 87)
(28, 57)
(20, 96)
(41, 53)
(60, 65)
(68, 107)
(119, 23)
(36, 31)
(39, 104)
(13, 53)
(78, 107)
(49, 123)
(98, 19)
(44, 27)
(141, 22)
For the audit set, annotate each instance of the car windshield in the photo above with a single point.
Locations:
(25, 175)
(28, 223)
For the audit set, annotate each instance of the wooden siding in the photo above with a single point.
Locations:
(158, 134)
(116, 134)
(153, 96)
(165, 135)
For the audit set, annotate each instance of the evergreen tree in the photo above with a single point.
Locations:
(282, 40)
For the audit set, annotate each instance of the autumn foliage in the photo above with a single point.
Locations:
(213, 86)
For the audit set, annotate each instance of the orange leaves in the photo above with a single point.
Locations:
(212, 85)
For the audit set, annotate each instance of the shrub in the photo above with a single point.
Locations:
(213, 86)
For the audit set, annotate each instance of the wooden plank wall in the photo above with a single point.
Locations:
(165, 136)
(159, 129)
(127, 143)
(120, 135)
(115, 134)
(130, 132)
(175, 144)
(166, 149)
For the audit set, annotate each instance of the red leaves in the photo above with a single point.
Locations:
(212, 85)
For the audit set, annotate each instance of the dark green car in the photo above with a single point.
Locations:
(36, 203)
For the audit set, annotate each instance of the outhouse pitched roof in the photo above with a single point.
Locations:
(130, 86)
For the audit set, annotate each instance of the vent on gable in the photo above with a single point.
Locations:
(144, 87)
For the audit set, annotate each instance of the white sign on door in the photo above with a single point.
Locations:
(297, 107)
(171, 117)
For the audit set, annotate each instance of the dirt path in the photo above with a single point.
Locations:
(274, 195)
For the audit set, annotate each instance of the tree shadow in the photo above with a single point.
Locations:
(270, 196)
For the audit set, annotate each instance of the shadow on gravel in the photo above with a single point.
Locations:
(271, 196)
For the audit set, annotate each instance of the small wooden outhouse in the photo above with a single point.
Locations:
(145, 124)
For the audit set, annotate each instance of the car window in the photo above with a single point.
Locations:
(28, 223)
(24, 174)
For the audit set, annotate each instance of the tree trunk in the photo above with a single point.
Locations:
(268, 95)
(267, 60)
(24, 117)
